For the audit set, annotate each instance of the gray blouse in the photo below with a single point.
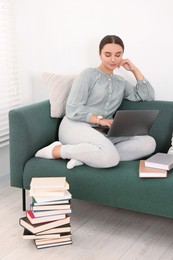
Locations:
(96, 92)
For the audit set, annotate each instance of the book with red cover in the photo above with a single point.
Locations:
(37, 220)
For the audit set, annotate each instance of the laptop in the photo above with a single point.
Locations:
(130, 123)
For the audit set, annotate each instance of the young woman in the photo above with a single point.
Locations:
(95, 96)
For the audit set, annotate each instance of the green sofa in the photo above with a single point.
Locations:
(32, 128)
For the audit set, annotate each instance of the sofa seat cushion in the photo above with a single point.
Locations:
(119, 186)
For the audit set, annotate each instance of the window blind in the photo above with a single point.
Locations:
(9, 81)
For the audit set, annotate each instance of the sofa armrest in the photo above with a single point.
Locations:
(30, 128)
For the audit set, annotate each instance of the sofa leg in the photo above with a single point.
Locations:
(23, 199)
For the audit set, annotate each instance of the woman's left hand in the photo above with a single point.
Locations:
(127, 64)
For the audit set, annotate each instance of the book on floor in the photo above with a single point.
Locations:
(160, 161)
(49, 182)
(62, 229)
(53, 240)
(36, 228)
(50, 207)
(48, 192)
(48, 199)
(47, 221)
(37, 220)
(53, 202)
(148, 172)
(50, 189)
(54, 244)
(44, 213)
(29, 235)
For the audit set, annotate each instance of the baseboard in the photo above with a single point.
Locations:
(4, 177)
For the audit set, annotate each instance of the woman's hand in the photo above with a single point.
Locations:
(105, 122)
(95, 119)
(129, 66)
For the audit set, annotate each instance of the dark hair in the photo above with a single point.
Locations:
(110, 39)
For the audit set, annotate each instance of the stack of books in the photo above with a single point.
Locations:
(150, 172)
(47, 221)
(156, 166)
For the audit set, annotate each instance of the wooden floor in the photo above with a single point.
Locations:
(98, 232)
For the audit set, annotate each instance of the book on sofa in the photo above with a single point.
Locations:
(148, 172)
(160, 161)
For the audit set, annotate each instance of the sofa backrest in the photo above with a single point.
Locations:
(162, 128)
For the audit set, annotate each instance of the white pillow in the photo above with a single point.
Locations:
(59, 88)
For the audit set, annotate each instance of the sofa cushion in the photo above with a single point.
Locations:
(59, 88)
(118, 186)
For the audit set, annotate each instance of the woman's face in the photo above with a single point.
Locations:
(111, 56)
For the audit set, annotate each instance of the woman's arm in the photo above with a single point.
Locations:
(129, 66)
(143, 89)
(96, 119)
(76, 108)
(78, 102)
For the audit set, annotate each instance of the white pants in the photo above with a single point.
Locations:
(83, 143)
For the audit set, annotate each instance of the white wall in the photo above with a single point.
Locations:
(4, 160)
(63, 36)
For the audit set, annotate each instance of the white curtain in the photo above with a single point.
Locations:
(9, 80)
